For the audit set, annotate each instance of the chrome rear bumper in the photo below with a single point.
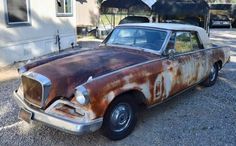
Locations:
(57, 122)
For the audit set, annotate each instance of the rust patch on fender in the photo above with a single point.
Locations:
(140, 78)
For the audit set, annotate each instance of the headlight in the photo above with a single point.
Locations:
(81, 95)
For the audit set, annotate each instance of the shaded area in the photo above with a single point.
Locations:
(220, 6)
(183, 11)
(231, 8)
(134, 7)
(228, 9)
(181, 8)
(122, 4)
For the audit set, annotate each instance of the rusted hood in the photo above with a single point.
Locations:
(69, 72)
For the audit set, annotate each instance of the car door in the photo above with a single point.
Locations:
(190, 58)
(180, 71)
(199, 58)
(186, 68)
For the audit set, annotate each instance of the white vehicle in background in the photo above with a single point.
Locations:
(222, 21)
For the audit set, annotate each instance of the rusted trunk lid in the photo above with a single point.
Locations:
(69, 72)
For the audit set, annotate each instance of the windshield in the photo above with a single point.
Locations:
(138, 37)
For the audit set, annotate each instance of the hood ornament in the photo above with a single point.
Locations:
(90, 79)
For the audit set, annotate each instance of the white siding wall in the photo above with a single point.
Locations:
(25, 42)
(87, 13)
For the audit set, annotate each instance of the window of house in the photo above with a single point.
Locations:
(64, 7)
(183, 42)
(17, 12)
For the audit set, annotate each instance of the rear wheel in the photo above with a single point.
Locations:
(120, 118)
(211, 80)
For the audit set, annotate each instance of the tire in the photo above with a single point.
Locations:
(120, 118)
(211, 80)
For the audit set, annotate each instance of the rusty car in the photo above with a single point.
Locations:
(137, 65)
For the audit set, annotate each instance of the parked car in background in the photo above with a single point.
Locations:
(220, 21)
(134, 19)
(137, 65)
(101, 31)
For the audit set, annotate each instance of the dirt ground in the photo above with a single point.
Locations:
(202, 116)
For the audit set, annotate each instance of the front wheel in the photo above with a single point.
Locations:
(120, 119)
(211, 80)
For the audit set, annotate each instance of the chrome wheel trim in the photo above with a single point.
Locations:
(213, 73)
(120, 117)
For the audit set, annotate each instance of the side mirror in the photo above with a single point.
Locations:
(171, 53)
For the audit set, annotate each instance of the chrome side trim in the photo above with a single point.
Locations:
(69, 126)
(196, 51)
(45, 84)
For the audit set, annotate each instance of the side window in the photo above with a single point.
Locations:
(17, 12)
(64, 8)
(183, 42)
(195, 41)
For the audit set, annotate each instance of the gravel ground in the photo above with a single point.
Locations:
(202, 116)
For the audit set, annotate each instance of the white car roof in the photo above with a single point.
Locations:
(173, 26)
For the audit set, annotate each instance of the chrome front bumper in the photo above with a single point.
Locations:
(59, 123)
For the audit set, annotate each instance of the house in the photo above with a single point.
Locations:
(88, 16)
(87, 13)
(31, 28)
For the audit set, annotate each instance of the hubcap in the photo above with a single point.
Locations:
(120, 117)
(213, 73)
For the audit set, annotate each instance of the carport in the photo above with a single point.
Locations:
(221, 9)
(127, 7)
(187, 10)
(127, 4)
(225, 9)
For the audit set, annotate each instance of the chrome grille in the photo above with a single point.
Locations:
(36, 88)
(32, 90)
